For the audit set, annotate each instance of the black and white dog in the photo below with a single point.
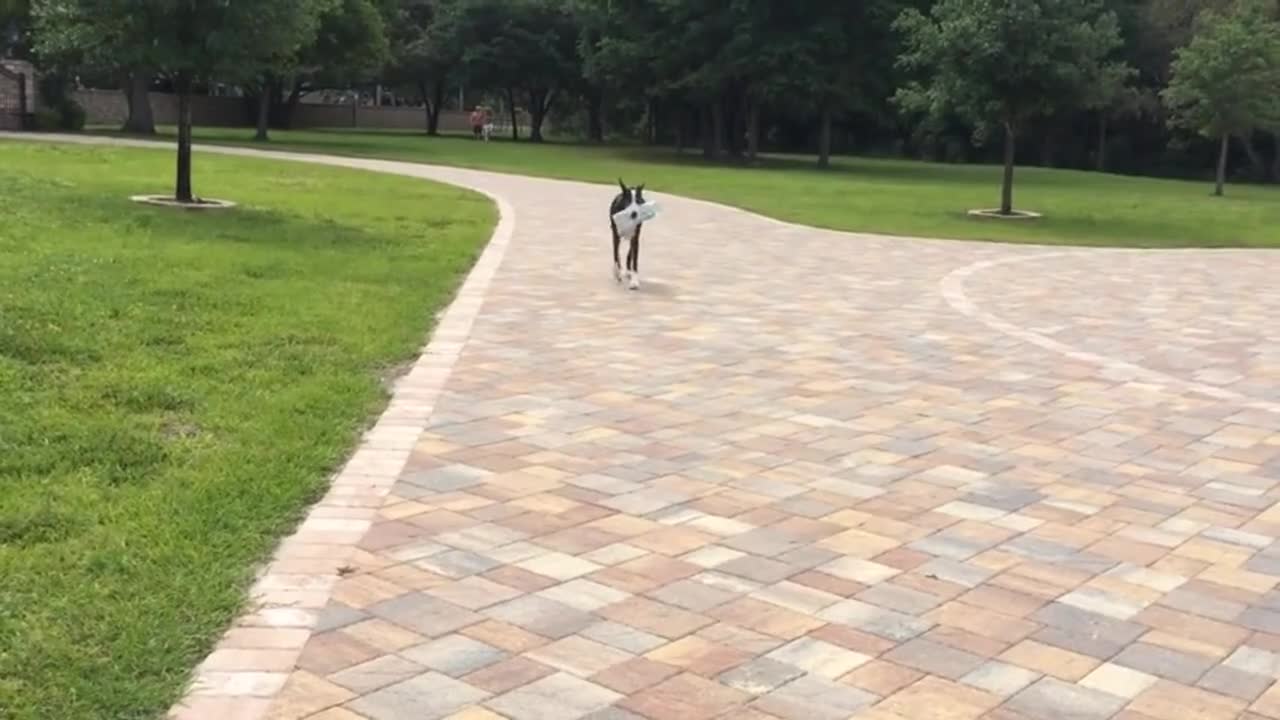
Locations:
(629, 201)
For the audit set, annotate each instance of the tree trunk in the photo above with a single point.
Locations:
(434, 107)
(717, 130)
(140, 120)
(1006, 187)
(1048, 146)
(515, 123)
(182, 186)
(824, 138)
(539, 105)
(595, 115)
(753, 131)
(682, 122)
(705, 133)
(1256, 162)
(291, 105)
(1222, 164)
(433, 100)
(264, 111)
(1102, 142)
(736, 126)
(1275, 161)
(651, 129)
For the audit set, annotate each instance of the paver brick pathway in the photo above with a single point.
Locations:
(805, 475)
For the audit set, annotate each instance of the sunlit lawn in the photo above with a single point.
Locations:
(176, 386)
(886, 196)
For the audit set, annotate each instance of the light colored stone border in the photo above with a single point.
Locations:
(252, 661)
(167, 201)
(952, 288)
(255, 657)
(231, 684)
(995, 214)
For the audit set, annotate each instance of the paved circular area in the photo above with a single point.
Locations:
(800, 475)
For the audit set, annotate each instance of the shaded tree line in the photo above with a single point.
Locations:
(1146, 86)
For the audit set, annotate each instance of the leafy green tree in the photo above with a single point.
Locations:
(1226, 81)
(841, 61)
(1113, 95)
(542, 52)
(1002, 63)
(350, 46)
(293, 33)
(619, 47)
(526, 48)
(189, 41)
(424, 53)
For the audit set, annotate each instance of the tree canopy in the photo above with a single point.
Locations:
(1226, 81)
(1079, 80)
(188, 41)
(1002, 63)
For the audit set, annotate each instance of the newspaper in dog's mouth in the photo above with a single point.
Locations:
(629, 218)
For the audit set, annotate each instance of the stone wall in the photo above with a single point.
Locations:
(15, 99)
(108, 107)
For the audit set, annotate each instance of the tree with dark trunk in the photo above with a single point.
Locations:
(434, 101)
(1256, 162)
(137, 94)
(1225, 81)
(1101, 159)
(182, 183)
(1224, 146)
(753, 131)
(189, 42)
(1275, 158)
(540, 102)
(824, 137)
(425, 54)
(261, 133)
(1003, 63)
(717, 130)
(515, 118)
(1006, 184)
(595, 115)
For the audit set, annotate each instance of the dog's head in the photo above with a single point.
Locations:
(629, 197)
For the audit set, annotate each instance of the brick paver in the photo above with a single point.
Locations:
(802, 475)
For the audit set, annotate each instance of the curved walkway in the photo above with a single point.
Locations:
(800, 475)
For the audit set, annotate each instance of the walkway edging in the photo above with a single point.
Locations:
(251, 663)
(953, 291)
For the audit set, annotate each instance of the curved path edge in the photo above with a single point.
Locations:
(952, 287)
(240, 680)
(237, 680)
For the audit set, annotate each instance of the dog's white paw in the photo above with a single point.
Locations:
(635, 282)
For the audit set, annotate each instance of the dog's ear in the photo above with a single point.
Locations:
(640, 187)
(622, 185)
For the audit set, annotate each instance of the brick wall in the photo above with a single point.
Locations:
(108, 107)
(11, 100)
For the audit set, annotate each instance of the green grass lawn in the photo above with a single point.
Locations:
(175, 387)
(885, 196)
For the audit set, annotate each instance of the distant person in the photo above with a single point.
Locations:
(477, 122)
(488, 123)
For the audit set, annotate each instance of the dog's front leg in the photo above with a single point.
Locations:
(633, 261)
(617, 264)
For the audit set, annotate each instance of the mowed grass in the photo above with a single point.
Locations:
(175, 387)
(884, 196)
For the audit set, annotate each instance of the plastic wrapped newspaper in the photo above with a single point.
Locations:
(627, 219)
